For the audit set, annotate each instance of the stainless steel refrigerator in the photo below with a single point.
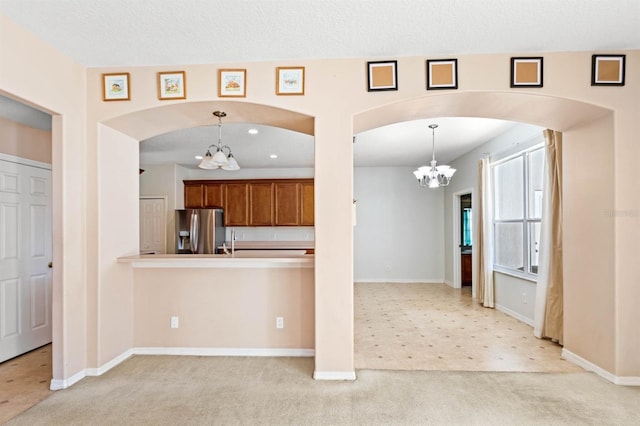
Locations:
(199, 231)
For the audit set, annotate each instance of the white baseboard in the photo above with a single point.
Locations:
(627, 380)
(589, 366)
(399, 280)
(109, 365)
(514, 314)
(224, 351)
(334, 375)
(449, 283)
(59, 384)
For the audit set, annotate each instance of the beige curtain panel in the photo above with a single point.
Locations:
(549, 295)
(484, 239)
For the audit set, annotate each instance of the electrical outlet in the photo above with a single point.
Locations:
(175, 322)
(524, 298)
(279, 322)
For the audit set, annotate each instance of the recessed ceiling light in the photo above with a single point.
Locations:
(198, 157)
(273, 156)
(253, 131)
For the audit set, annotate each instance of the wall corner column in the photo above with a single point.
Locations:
(334, 247)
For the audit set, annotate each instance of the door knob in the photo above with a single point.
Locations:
(50, 265)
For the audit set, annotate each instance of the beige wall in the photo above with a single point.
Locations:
(333, 129)
(118, 153)
(224, 308)
(567, 103)
(589, 256)
(335, 105)
(23, 141)
(38, 75)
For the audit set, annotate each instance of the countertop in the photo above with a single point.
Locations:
(272, 245)
(248, 259)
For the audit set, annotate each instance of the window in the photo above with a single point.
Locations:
(517, 183)
(465, 222)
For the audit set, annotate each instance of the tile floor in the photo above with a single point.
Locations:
(24, 381)
(403, 326)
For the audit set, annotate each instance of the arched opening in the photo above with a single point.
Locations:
(571, 117)
(118, 198)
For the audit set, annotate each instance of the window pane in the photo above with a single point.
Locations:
(536, 173)
(466, 227)
(509, 189)
(508, 245)
(534, 246)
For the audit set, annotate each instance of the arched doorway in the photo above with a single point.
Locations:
(556, 113)
(117, 198)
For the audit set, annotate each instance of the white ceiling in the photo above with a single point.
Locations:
(129, 33)
(100, 33)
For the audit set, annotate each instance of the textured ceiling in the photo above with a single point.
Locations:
(100, 33)
(122, 33)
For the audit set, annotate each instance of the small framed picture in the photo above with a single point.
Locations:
(382, 75)
(172, 85)
(607, 70)
(232, 83)
(442, 74)
(526, 72)
(290, 81)
(115, 87)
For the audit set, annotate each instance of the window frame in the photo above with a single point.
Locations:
(526, 221)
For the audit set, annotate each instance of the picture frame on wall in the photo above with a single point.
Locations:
(289, 81)
(232, 83)
(115, 87)
(382, 75)
(442, 74)
(527, 72)
(607, 70)
(172, 85)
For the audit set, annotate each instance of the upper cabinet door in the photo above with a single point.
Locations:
(306, 204)
(287, 204)
(261, 204)
(236, 202)
(213, 195)
(193, 196)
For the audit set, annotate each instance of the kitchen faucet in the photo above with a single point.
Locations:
(233, 241)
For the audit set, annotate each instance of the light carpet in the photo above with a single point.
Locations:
(162, 390)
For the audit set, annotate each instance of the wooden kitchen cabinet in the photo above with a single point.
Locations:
(287, 204)
(193, 196)
(236, 204)
(306, 204)
(255, 202)
(213, 195)
(261, 204)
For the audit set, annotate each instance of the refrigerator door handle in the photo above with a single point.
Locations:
(193, 232)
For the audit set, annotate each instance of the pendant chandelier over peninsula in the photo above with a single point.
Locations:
(219, 159)
(434, 176)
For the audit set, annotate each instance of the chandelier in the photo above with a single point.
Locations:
(219, 158)
(434, 176)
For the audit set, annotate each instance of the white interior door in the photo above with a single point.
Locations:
(153, 225)
(25, 254)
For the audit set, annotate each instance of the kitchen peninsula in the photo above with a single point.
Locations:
(255, 303)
